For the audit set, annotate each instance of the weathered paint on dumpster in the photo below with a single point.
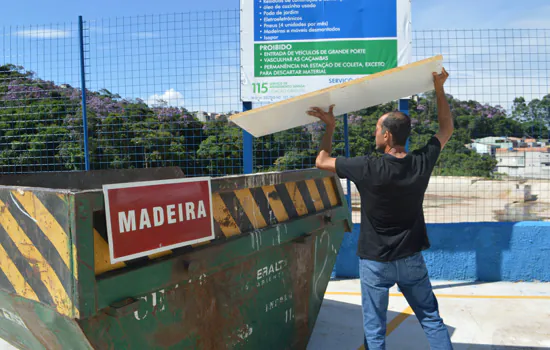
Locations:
(259, 283)
(37, 253)
(31, 325)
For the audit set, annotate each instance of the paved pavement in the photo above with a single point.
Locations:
(479, 316)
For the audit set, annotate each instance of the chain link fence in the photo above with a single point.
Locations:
(160, 90)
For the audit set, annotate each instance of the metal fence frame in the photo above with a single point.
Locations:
(449, 42)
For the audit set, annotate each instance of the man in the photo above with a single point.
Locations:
(393, 230)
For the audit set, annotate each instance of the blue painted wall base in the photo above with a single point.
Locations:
(473, 252)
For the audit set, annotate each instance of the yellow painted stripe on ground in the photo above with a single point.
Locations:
(250, 207)
(460, 296)
(223, 217)
(102, 260)
(275, 203)
(14, 276)
(395, 322)
(331, 191)
(296, 198)
(36, 260)
(50, 227)
(315, 195)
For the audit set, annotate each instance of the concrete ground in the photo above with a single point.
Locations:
(479, 316)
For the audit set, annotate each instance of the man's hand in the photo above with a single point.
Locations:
(440, 79)
(444, 116)
(326, 117)
(324, 160)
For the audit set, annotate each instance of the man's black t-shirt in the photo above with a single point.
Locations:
(392, 195)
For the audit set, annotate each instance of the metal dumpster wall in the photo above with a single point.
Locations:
(259, 284)
(276, 241)
(267, 299)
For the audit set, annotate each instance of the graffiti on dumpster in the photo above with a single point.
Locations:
(244, 332)
(256, 238)
(10, 316)
(153, 303)
(289, 315)
(325, 248)
(145, 218)
(241, 335)
(273, 304)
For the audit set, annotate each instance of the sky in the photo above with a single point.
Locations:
(427, 14)
(133, 55)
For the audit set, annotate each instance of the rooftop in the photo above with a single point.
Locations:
(524, 149)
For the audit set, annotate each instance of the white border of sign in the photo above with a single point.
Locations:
(108, 187)
(404, 49)
(404, 37)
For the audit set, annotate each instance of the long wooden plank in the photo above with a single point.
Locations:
(372, 90)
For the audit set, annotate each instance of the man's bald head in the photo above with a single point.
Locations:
(398, 124)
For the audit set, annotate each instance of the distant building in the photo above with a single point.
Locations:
(525, 162)
(204, 116)
(489, 145)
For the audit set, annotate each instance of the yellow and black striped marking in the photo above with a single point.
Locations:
(240, 211)
(37, 256)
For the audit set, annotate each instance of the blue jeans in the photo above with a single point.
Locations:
(411, 275)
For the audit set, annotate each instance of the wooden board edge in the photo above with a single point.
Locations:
(336, 87)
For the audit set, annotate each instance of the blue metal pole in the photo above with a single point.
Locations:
(404, 108)
(347, 152)
(83, 87)
(248, 145)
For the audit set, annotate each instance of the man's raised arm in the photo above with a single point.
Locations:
(444, 116)
(324, 160)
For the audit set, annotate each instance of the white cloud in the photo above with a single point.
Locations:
(44, 33)
(171, 97)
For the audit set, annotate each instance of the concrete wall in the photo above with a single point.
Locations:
(452, 199)
(524, 164)
(488, 251)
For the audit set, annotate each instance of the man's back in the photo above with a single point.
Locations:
(392, 194)
(393, 231)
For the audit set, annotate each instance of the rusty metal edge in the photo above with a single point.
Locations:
(342, 196)
(88, 180)
(81, 208)
(73, 182)
(237, 182)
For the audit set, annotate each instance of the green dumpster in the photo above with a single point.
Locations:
(74, 275)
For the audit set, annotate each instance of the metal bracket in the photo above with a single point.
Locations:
(123, 307)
